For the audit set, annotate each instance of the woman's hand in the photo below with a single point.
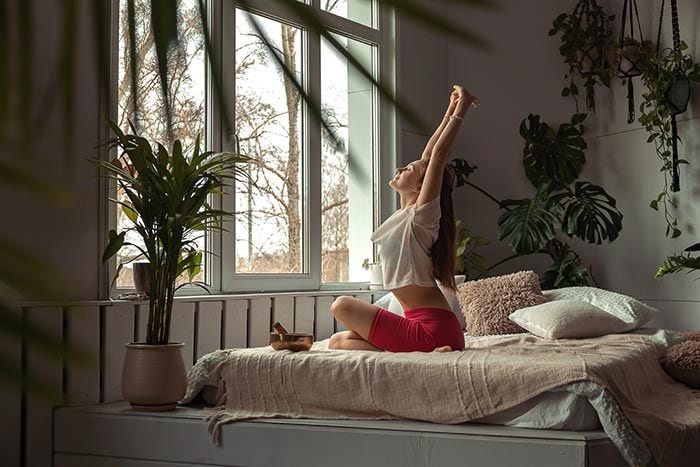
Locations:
(454, 96)
(463, 100)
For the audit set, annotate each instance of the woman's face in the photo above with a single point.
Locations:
(410, 177)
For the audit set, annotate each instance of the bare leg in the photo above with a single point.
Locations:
(350, 340)
(354, 313)
(444, 348)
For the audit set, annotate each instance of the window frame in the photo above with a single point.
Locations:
(221, 17)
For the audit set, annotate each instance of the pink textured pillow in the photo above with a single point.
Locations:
(486, 303)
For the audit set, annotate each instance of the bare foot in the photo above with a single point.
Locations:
(444, 348)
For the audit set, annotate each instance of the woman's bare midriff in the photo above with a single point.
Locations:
(412, 297)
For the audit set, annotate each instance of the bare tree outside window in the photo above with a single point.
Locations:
(186, 91)
(270, 209)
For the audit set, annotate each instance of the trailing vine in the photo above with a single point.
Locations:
(660, 71)
(584, 35)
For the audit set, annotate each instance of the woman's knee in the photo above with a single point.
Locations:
(341, 304)
(335, 341)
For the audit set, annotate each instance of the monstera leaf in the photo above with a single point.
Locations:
(551, 156)
(590, 214)
(529, 222)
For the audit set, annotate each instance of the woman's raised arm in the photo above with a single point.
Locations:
(428, 151)
(440, 153)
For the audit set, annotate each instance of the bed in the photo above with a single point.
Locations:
(606, 387)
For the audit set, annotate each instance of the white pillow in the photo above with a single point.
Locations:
(561, 319)
(389, 302)
(628, 309)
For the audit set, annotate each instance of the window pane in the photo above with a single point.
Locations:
(359, 11)
(346, 179)
(187, 93)
(270, 209)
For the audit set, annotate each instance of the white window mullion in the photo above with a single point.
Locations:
(313, 126)
(225, 50)
(387, 159)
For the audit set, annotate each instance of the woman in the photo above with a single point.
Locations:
(417, 244)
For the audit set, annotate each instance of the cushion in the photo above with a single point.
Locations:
(630, 310)
(561, 319)
(486, 303)
(682, 362)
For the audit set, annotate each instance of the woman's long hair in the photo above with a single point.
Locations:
(444, 249)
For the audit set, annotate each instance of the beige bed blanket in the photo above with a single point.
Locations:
(487, 377)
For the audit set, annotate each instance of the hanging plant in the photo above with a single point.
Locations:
(667, 76)
(584, 35)
(628, 59)
(628, 55)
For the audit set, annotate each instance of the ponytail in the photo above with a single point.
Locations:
(444, 249)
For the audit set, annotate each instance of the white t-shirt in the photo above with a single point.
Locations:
(405, 240)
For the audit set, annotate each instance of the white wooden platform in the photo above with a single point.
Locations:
(110, 435)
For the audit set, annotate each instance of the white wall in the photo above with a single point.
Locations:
(521, 74)
(525, 74)
(628, 166)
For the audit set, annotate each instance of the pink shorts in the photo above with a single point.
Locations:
(422, 330)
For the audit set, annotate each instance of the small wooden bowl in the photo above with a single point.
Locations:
(294, 341)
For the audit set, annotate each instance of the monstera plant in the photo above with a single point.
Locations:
(562, 204)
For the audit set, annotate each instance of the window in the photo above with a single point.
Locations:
(305, 216)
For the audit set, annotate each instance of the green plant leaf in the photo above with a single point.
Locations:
(549, 155)
(677, 263)
(530, 223)
(564, 272)
(116, 241)
(128, 210)
(590, 213)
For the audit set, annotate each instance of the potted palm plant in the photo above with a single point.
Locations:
(167, 204)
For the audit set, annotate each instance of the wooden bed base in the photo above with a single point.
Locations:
(111, 435)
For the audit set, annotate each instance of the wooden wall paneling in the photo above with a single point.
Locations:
(182, 330)
(259, 322)
(11, 400)
(208, 327)
(235, 328)
(118, 330)
(304, 314)
(83, 380)
(325, 323)
(48, 370)
(283, 311)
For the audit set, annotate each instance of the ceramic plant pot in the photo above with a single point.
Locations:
(376, 280)
(629, 61)
(589, 58)
(154, 376)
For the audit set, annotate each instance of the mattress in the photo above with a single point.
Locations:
(557, 409)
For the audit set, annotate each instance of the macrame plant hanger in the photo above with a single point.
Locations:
(634, 61)
(590, 58)
(678, 93)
